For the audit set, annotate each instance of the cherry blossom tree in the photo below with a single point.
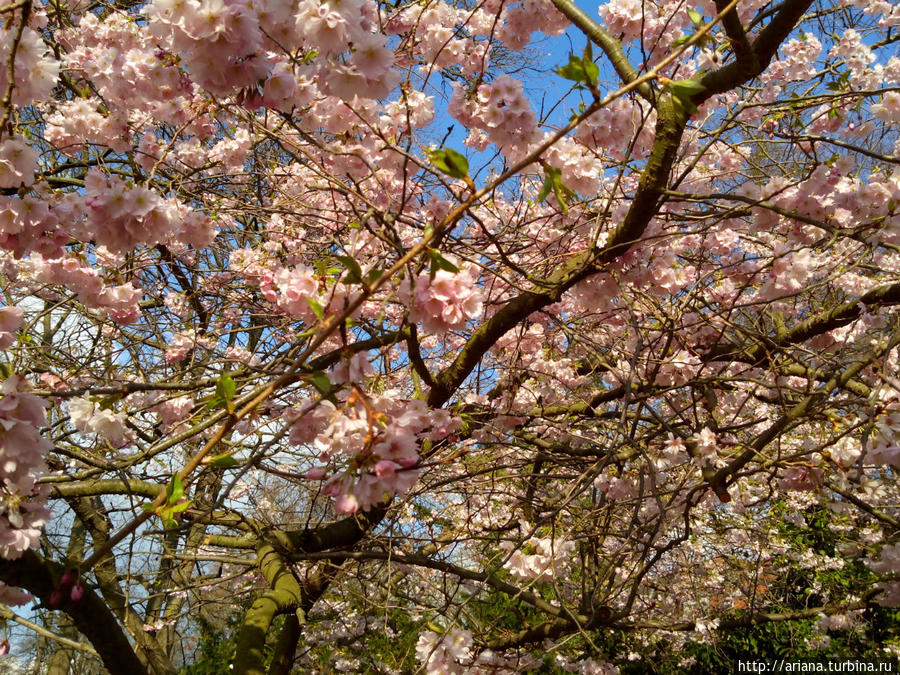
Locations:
(296, 377)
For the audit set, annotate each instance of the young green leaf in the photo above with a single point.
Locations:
(439, 262)
(546, 188)
(180, 506)
(450, 162)
(225, 387)
(174, 490)
(553, 183)
(683, 92)
(321, 382)
(316, 308)
(573, 70)
(224, 461)
(695, 17)
(354, 271)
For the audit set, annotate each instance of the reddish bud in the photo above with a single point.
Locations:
(69, 577)
(56, 598)
(77, 591)
(4, 647)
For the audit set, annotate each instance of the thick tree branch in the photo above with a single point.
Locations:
(610, 46)
(763, 49)
(90, 615)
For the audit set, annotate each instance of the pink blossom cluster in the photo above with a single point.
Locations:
(889, 563)
(615, 487)
(890, 12)
(28, 224)
(75, 123)
(539, 558)
(830, 194)
(180, 345)
(798, 61)
(789, 274)
(528, 17)
(884, 444)
(454, 653)
(612, 128)
(126, 66)
(888, 110)
(677, 369)
(447, 301)
(858, 59)
(802, 478)
(238, 353)
(500, 109)
(36, 70)
(89, 417)
(11, 319)
(551, 379)
(291, 290)
(437, 42)
(627, 18)
(18, 163)
(366, 454)
(221, 43)
(22, 451)
(173, 412)
(581, 168)
(119, 302)
(706, 448)
(414, 109)
(659, 24)
(227, 46)
(122, 217)
(445, 655)
(594, 294)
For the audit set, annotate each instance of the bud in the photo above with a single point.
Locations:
(56, 598)
(4, 647)
(69, 577)
(77, 591)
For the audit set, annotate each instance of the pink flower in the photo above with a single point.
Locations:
(18, 163)
(447, 301)
(10, 321)
(346, 504)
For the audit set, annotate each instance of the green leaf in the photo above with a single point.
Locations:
(590, 68)
(680, 41)
(225, 387)
(321, 382)
(225, 390)
(374, 275)
(439, 262)
(225, 460)
(545, 188)
(574, 70)
(450, 162)
(695, 17)
(108, 402)
(561, 191)
(180, 506)
(174, 490)
(354, 271)
(592, 72)
(686, 88)
(553, 183)
(683, 92)
(316, 308)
